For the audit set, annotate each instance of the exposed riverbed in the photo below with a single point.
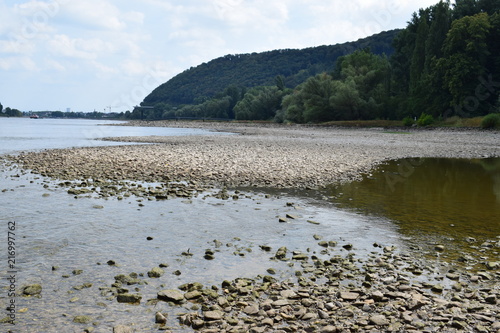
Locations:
(132, 220)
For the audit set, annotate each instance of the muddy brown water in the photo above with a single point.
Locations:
(431, 200)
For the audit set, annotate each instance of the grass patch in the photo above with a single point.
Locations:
(365, 123)
(396, 132)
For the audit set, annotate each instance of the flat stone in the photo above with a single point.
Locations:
(82, 319)
(32, 289)
(280, 303)
(193, 294)
(170, 296)
(213, 315)
(129, 298)
(251, 309)
(379, 320)
(348, 296)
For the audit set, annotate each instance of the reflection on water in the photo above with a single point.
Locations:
(431, 197)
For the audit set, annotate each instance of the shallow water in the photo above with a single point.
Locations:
(57, 230)
(17, 134)
(431, 199)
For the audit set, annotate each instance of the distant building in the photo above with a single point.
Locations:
(68, 109)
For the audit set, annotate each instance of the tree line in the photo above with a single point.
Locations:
(9, 112)
(445, 63)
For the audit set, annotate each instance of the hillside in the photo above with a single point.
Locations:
(255, 69)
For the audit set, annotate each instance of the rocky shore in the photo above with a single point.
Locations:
(270, 156)
(332, 288)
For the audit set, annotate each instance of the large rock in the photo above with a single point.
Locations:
(129, 298)
(32, 289)
(156, 272)
(171, 295)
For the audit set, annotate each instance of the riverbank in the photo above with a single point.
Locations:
(330, 283)
(260, 156)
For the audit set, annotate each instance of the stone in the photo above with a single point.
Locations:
(348, 296)
(491, 265)
(171, 295)
(82, 319)
(213, 315)
(252, 309)
(160, 318)
(156, 272)
(129, 298)
(439, 248)
(193, 294)
(32, 290)
(379, 320)
(329, 329)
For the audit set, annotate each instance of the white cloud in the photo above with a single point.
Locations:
(111, 48)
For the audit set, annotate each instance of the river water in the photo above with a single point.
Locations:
(56, 234)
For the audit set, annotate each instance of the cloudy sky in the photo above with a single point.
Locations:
(109, 54)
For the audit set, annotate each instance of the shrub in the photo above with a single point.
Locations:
(491, 121)
(425, 119)
(408, 121)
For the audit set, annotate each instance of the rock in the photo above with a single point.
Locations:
(252, 309)
(32, 290)
(271, 271)
(174, 296)
(128, 279)
(348, 296)
(213, 315)
(281, 253)
(123, 329)
(438, 288)
(82, 319)
(129, 298)
(491, 265)
(329, 329)
(280, 303)
(379, 320)
(193, 294)
(156, 272)
(439, 248)
(348, 246)
(160, 318)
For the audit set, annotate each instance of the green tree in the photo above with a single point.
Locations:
(1, 108)
(317, 95)
(465, 54)
(259, 103)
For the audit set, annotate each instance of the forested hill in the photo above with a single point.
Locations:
(258, 69)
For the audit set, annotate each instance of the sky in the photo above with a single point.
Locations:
(107, 55)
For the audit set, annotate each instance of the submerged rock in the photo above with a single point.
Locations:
(32, 290)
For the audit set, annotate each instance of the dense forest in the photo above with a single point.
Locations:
(445, 63)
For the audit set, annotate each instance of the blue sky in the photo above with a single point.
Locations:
(109, 54)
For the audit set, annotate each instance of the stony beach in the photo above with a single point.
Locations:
(332, 289)
(257, 155)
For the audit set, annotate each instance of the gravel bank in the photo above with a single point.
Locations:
(258, 155)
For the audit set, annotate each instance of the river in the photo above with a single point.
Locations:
(64, 243)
